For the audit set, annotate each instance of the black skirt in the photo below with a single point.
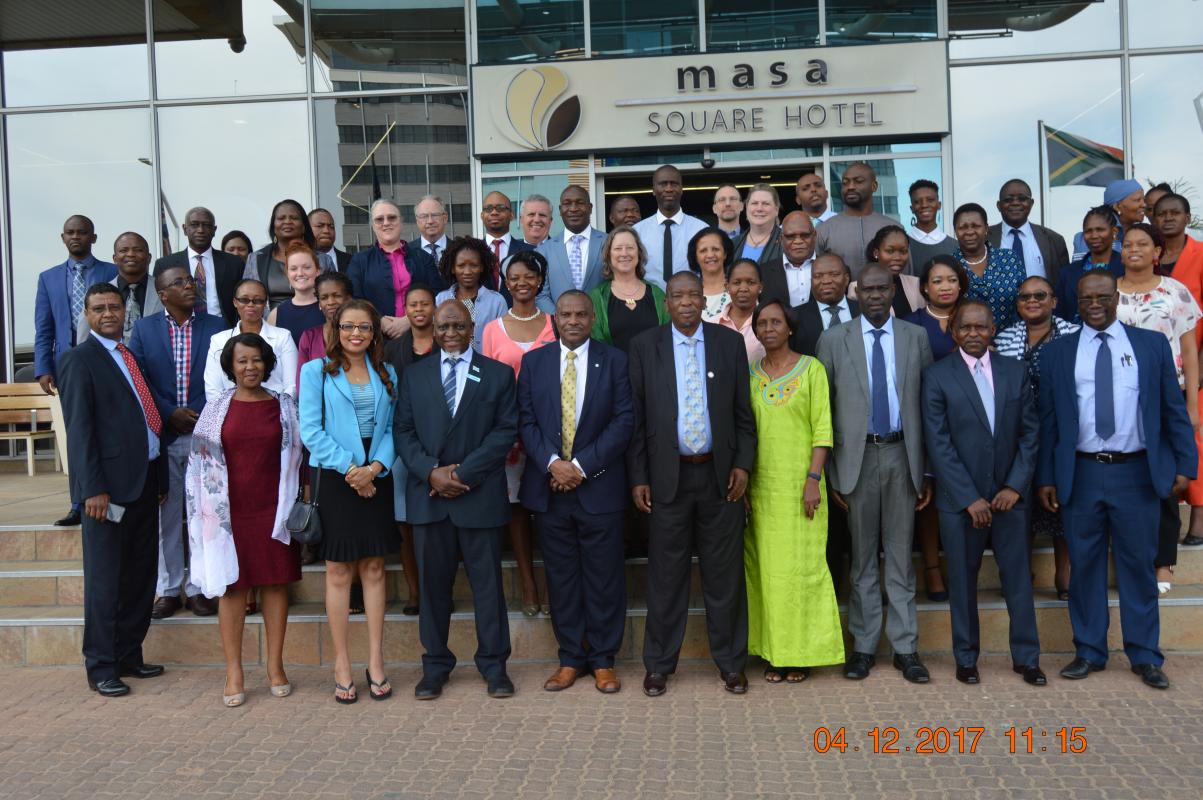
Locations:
(355, 527)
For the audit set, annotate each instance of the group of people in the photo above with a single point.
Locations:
(760, 396)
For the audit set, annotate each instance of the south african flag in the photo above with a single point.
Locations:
(1077, 161)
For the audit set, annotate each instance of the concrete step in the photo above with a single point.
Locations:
(39, 543)
(52, 635)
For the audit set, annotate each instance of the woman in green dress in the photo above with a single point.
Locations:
(793, 618)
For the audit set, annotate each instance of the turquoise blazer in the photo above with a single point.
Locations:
(338, 445)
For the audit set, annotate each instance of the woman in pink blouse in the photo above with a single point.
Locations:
(743, 286)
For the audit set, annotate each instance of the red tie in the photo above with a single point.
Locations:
(148, 404)
(497, 260)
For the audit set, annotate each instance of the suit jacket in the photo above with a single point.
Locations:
(151, 304)
(811, 325)
(342, 259)
(602, 435)
(772, 266)
(478, 438)
(337, 445)
(53, 335)
(106, 427)
(1169, 439)
(842, 351)
(1051, 244)
(559, 271)
(970, 461)
(654, 455)
(229, 269)
(371, 276)
(151, 345)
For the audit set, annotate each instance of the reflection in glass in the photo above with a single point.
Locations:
(515, 166)
(761, 24)
(228, 48)
(766, 154)
(883, 147)
(1164, 23)
(640, 28)
(523, 186)
(529, 30)
(860, 22)
(889, 187)
(1167, 124)
(358, 44)
(401, 148)
(1031, 26)
(55, 172)
(682, 159)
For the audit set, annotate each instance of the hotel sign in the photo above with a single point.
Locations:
(598, 105)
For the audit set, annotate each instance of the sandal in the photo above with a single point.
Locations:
(373, 686)
(796, 674)
(233, 700)
(936, 597)
(773, 674)
(352, 695)
(283, 690)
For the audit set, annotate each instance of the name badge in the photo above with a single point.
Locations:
(474, 378)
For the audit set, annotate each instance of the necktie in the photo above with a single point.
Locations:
(1104, 391)
(834, 311)
(1017, 246)
(328, 262)
(496, 261)
(132, 313)
(78, 290)
(434, 251)
(568, 405)
(575, 260)
(153, 421)
(199, 275)
(880, 411)
(668, 250)
(987, 394)
(695, 431)
(449, 384)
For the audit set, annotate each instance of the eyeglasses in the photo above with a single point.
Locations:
(200, 226)
(1039, 297)
(1086, 301)
(495, 209)
(808, 235)
(180, 283)
(351, 327)
(1016, 198)
(428, 217)
(251, 301)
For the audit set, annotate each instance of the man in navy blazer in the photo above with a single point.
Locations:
(1115, 437)
(980, 424)
(456, 420)
(580, 244)
(575, 483)
(172, 346)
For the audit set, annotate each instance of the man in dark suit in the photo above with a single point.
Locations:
(980, 425)
(216, 273)
(131, 254)
(172, 346)
(456, 420)
(496, 213)
(1115, 437)
(828, 305)
(576, 485)
(692, 449)
(573, 258)
(1041, 250)
(113, 431)
(324, 233)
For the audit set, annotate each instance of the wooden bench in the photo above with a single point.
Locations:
(27, 407)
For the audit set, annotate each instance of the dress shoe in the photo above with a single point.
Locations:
(1080, 668)
(1190, 540)
(655, 684)
(165, 607)
(968, 675)
(115, 687)
(858, 666)
(1152, 675)
(606, 680)
(1033, 675)
(735, 682)
(143, 671)
(74, 517)
(501, 686)
(430, 687)
(562, 679)
(202, 606)
(911, 667)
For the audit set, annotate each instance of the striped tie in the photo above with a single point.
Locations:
(449, 383)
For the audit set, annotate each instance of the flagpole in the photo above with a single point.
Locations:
(1040, 144)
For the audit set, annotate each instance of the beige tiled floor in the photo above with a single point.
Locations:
(39, 500)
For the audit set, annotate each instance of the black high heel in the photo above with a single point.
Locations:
(936, 597)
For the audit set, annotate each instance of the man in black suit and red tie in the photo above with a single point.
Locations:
(576, 484)
(113, 429)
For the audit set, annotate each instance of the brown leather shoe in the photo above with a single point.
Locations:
(562, 679)
(165, 606)
(606, 680)
(202, 606)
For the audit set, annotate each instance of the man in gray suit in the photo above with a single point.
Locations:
(573, 259)
(877, 470)
(131, 254)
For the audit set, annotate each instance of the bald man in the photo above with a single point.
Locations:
(849, 232)
(216, 272)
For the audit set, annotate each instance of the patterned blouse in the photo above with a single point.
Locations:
(1169, 308)
(998, 286)
(1013, 342)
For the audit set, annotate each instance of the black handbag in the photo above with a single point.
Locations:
(303, 523)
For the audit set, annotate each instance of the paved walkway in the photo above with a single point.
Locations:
(172, 739)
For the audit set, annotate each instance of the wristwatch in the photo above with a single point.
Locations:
(816, 476)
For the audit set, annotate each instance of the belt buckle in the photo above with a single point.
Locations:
(1106, 458)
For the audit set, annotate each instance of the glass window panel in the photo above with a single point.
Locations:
(1164, 23)
(518, 166)
(522, 186)
(860, 22)
(529, 30)
(640, 28)
(58, 52)
(1031, 27)
(761, 24)
(53, 172)
(766, 154)
(374, 44)
(894, 177)
(682, 159)
(1081, 98)
(228, 47)
(258, 168)
(402, 147)
(1167, 125)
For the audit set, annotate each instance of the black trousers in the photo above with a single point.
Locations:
(698, 516)
(1168, 527)
(438, 548)
(120, 568)
(586, 580)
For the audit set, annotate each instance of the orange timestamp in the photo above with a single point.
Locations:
(940, 739)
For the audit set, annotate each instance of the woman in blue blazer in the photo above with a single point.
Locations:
(349, 434)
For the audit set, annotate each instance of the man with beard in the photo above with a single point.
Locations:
(849, 232)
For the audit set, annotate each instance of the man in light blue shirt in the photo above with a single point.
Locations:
(666, 234)
(689, 359)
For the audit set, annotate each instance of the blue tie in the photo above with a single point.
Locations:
(1017, 246)
(881, 398)
(1104, 392)
(983, 389)
(449, 383)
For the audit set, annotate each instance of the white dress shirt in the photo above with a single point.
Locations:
(1129, 436)
(1033, 262)
(283, 379)
(582, 375)
(505, 245)
(152, 439)
(440, 245)
(651, 233)
(826, 215)
(845, 312)
(923, 237)
(212, 304)
(798, 279)
(461, 373)
(887, 346)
